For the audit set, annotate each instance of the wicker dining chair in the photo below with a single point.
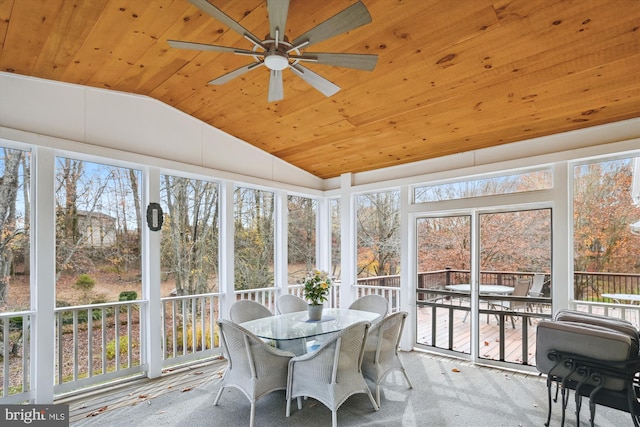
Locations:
(332, 373)
(373, 303)
(381, 350)
(246, 310)
(254, 367)
(289, 303)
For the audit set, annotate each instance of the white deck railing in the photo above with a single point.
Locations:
(99, 343)
(15, 339)
(391, 294)
(107, 338)
(189, 329)
(265, 296)
(628, 312)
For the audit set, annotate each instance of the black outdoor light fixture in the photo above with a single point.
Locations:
(154, 216)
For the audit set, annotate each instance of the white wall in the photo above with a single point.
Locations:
(141, 125)
(134, 124)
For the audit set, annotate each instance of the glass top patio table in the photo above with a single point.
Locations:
(619, 298)
(294, 326)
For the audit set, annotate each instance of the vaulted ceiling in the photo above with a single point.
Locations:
(451, 76)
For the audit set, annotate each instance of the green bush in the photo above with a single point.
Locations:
(85, 282)
(111, 347)
(128, 296)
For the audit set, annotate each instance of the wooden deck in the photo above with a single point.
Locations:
(454, 333)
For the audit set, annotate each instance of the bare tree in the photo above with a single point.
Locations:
(301, 240)
(253, 238)
(190, 239)
(378, 216)
(9, 184)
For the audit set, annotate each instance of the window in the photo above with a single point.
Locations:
(605, 246)
(253, 238)
(506, 184)
(378, 238)
(336, 241)
(98, 224)
(15, 208)
(301, 237)
(190, 236)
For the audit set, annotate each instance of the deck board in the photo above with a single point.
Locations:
(489, 334)
(139, 391)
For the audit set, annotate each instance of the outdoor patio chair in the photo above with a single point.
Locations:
(596, 356)
(381, 350)
(254, 368)
(536, 291)
(373, 303)
(289, 303)
(245, 310)
(332, 373)
(521, 289)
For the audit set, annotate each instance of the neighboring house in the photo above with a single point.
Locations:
(98, 229)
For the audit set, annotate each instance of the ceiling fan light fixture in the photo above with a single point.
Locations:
(276, 60)
(276, 52)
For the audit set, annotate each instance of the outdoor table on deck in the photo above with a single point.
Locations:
(291, 331)
(483, 289)
(632, 298)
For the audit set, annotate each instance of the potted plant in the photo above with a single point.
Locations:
(316, 290)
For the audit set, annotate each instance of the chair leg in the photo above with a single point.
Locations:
(407, 378)
(252, 417)
(373, 401)
(288, 411)
(334, 418)
(215, 402)
(378, 394)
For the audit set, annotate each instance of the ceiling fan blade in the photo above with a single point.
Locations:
(278, 10)
(349, 60)
(352, 17)
(317, 81)
(235, 73)
(276, 89)
(210, 9)
(209, 47)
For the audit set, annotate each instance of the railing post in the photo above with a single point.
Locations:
(447, 276)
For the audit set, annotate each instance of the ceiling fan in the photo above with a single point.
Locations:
(277, 53)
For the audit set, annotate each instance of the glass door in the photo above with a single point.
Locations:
(483, 280)
(444, 282)
(514, 282)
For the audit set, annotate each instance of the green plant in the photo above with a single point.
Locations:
(128, 296)
(316, 287)
(85, 282)
(111, 347)
(190, 340)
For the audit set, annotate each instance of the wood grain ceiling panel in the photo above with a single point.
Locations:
(451, 76)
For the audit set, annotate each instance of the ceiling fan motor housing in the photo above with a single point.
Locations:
(276, 60)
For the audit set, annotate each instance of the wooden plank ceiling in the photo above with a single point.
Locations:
(451, 76)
